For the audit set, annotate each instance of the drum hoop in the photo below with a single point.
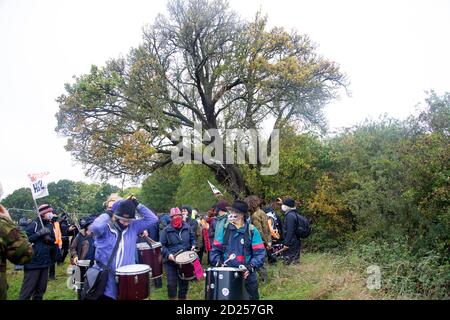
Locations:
(144, 269)
(145, 246)
(83, 263)
(230, 269)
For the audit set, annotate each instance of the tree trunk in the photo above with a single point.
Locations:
(232, 179)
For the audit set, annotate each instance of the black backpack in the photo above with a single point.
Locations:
(303, 226)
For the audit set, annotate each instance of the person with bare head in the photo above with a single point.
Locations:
(259, 219)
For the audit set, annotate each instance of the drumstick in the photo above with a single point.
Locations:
(232, 257)
(149, 241)
(280, 251)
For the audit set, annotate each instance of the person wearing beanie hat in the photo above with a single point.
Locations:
(36, 272)
(241, 238)
(292, 243)
(175, 238)
(119, 224)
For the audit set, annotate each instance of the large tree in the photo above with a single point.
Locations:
(199, 64)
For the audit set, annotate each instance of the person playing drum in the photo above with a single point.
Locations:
(242, 239)
(121, 222)
(82, 247)
(175, 238)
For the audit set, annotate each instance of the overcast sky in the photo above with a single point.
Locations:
(392, 51)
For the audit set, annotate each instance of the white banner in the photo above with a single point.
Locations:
(39, 185)
(1, 191)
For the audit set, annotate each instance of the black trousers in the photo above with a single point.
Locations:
(200, 254)
(158, 282)
(34, 284)
(292, 255)
(54, 256)
(174, 281)
(251, 286)
(64, 250)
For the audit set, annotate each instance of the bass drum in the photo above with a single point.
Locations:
(151, 256)
(224, 283)
(133, 282)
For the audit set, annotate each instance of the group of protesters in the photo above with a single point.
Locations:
(253, 232)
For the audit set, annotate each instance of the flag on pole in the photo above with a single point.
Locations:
(38, 185)
(214, 189)
(1, 191)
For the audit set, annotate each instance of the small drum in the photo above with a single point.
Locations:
(224, 283)
(80, 271)
(133, 282)
(151, 256)
(188, 263)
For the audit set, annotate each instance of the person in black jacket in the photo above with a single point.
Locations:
(64, 225)
(175, 238)
(186, 211)
(292, 243)
(35, 276)
(83, 247)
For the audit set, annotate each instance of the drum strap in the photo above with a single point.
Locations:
(116, 246)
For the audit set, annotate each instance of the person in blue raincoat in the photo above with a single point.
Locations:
(106, 228)
(175, 238)
(241, 238)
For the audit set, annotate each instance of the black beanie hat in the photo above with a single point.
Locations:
(126, 210)
(289, 202)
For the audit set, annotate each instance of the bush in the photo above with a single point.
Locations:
(423, 275)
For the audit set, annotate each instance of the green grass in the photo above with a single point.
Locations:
(319, 276)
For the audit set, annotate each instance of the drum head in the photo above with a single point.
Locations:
(226, 269)
(83, 263)
(186, 257)
(133, 269)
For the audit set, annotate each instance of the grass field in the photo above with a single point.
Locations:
(319, 276)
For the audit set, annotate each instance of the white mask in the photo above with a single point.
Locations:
(284, 208)
(50, 216)
(232, 217)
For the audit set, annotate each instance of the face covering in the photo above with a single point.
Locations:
(120, 226)
(177, 222)
(185, 217)
(284, 208)
(50, 216)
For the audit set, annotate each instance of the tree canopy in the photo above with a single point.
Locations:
(200, 64)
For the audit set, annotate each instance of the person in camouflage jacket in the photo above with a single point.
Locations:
(14, 246)
(260, 220)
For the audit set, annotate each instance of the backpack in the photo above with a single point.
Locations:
(303, 229)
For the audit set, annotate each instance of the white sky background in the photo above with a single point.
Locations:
(392, 51)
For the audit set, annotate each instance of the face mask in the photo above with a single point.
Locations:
(185, 216)
(284, 208)
(120, 226)
(177, 222)
(50, 216)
